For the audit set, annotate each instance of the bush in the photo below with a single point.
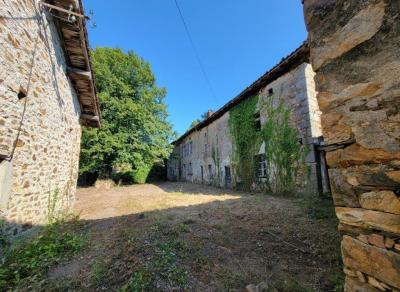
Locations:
(138, 176)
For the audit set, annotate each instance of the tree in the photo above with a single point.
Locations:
(135, 132)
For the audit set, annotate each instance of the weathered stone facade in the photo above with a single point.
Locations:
(39, 117)
(355, 51)
(193, 160)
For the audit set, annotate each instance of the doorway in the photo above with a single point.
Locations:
(228, 176)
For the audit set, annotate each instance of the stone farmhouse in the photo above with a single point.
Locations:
(292, 80)
(47, 94)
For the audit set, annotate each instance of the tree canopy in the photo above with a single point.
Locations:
(135, 131)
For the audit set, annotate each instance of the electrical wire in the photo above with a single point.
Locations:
(10, 158)
(195, 50)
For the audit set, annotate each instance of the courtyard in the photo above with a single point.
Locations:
(188, 237)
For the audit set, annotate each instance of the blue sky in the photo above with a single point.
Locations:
(237, 40)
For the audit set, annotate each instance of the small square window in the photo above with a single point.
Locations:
(270, 92)
(257, 121)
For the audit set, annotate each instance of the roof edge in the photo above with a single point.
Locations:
(294, 59)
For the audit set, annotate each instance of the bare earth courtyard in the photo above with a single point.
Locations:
(180, 236)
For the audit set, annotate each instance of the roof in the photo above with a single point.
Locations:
(74, 41)
(293, 60)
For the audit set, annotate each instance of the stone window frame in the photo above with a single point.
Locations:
(261, 166)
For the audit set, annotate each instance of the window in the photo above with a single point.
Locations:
(190, 147)
(301, 141)
(205, 148)
(262, 168)
(257, 121)
(210, 174)
(270, 92)
(184, 170)
(190, 172)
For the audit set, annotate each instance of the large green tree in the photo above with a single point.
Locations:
(135, 132)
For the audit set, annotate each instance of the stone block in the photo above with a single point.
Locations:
(369, 219)
(376, 262)
(342, 192)
(377, 240)
(389, 243)
(363, 26)
(385, 201)
(353, 285)
(355, 154)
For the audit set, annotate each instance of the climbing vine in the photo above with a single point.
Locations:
(217, 162)
(284, 155)
(246, 141)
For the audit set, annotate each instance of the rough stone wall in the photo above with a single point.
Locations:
(297, 90)
(294, 88)
(45, 162)
(355, 51)
(216, 136)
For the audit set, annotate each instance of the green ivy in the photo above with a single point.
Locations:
(217, 162)
(246, 141)
(284, 155)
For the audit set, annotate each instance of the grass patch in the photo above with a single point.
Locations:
(317, 207)
(31, 260)
(98, 270)
(139, 281)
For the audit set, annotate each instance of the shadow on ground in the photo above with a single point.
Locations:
(171, 238)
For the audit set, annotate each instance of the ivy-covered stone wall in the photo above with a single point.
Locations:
(355, 52)
(213, 151)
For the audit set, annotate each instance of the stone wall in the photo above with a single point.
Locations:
(45, 162)
(296, 88)
(355, 51)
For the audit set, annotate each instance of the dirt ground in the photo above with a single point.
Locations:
(187, 237)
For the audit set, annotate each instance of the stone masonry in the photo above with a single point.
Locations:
(192, 159)
(34, 85)
(355, 52)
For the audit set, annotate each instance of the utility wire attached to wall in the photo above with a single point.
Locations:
(195, 51)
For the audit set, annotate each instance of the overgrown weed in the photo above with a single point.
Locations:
(98, 270)
(30, 260)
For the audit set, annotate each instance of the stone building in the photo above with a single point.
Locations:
(46, 94)
(355, 52)
(292, 80)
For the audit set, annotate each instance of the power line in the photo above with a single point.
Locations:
(195, 51)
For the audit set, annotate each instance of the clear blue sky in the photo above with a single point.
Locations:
(237, 40)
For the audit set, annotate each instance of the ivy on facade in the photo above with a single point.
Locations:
(284, 155)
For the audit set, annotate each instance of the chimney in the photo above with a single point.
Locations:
(209, 113)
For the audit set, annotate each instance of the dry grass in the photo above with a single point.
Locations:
(176, 236)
